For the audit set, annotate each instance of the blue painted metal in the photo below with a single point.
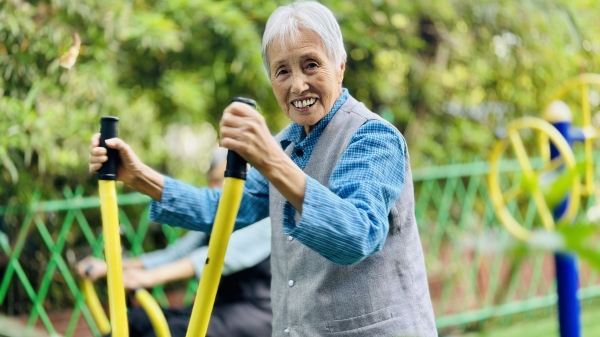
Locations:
(567, 276)
(567, 285)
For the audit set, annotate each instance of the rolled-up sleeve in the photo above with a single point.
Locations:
(348, 221)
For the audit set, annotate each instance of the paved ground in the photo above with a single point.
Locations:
(13, 327)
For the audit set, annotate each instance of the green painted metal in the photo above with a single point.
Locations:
(72, 208)
(452, 208)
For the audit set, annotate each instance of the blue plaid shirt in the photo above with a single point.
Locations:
(345, 223)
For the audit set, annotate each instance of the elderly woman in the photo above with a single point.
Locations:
(346, 256)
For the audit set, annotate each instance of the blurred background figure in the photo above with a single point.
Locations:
(243, 305)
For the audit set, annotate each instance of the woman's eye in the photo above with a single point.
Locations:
(282, 72)
(311, 65)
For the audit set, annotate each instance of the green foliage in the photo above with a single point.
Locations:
(445, 72)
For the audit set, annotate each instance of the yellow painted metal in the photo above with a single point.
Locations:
(154, 312)
(531, 178)
(92, 301)
(112, 251)
(587, 121)
(573, 83)
(211, 276)
(583, 81)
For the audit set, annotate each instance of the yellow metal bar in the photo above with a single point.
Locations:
(572, 83)
(92, 301)
(532, 181)
(211, 276)
(112, 251)
(154, 312)
(589, 162)
(496, 194)
(519, 148)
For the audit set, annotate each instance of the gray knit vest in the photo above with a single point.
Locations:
(384, 295)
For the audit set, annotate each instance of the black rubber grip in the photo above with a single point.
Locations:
(236, 165)
(109, 128)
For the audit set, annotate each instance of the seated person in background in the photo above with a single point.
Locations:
(243, 305)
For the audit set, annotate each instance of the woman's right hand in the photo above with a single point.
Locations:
(129, 166)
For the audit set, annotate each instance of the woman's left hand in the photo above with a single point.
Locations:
(244, 130)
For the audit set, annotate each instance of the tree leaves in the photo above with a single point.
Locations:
(444, 72)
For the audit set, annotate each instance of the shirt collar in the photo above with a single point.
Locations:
(296, 133)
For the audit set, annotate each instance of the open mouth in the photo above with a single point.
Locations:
(304, 103)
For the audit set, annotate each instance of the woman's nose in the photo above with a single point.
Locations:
(299, 84)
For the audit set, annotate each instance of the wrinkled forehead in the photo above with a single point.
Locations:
(301, 41)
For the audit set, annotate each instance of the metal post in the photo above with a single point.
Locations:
(107, 176)
(567, 277)
(229, 204)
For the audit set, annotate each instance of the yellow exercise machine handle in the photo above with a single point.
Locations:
(92, 301)
(148, 303)
(110, 227)
(154, 312)
(235, 175)
(531, 183)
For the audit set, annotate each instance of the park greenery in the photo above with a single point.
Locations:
(445, 72)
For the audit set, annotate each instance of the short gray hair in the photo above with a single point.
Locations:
(285, 24)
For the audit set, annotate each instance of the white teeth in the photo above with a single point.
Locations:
(304, 103)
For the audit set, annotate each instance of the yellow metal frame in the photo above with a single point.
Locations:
(148, 303)
(92, 301)
(112, 251)
(154, 312)
(583, 81)
(116, 289)
(211, 275)
(531, 178)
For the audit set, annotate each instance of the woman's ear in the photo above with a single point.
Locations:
(342, 69)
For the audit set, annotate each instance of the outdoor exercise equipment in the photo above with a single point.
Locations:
(107, 176)
(547, 184)
(148, 303)
(559, 114)
(586, 133)
(560, 190)
(92, 301)
(110, 223)
(235, 176)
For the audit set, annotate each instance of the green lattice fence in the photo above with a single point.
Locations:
(470, 283)
(452, 206)
(59, 228)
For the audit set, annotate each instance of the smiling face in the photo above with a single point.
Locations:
(305, 81)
